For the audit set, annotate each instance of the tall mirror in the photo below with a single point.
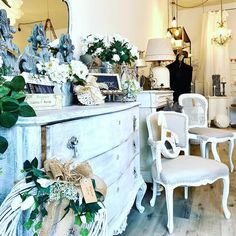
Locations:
(52, 13)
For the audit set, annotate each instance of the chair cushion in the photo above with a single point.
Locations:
(211, 132)
(188, 170)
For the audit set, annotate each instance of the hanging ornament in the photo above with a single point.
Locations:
(222, 34)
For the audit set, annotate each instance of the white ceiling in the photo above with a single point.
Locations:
(190, 3)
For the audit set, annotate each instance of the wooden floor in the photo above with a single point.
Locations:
(200, 215)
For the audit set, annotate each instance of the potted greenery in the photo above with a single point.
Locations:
(12, 105)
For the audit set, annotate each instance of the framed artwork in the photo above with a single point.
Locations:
(111, 80)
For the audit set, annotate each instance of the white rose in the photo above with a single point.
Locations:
(54, 43)
(44, 183)
(134, 52)
(116, 57)
(98, 51)
(84, 49)
(27, 203)
(16, 203)
(90, 39)
(117, 37)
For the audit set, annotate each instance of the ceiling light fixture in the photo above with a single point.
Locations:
(222, 34)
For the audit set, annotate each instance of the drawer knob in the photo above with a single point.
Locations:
(72, 144)
(117, 157)
(118, 189)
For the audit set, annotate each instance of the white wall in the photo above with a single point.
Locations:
(191, 19)
(137, 20)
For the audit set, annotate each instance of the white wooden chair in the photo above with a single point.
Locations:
(173, 170)
(195, 106)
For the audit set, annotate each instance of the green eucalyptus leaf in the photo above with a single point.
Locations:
(38, 173)
(89, 217)
(26, 111)
(4, 91)
(9, 104)
(28, 224)
(34, 214)
(27, 166)
(20, 96)
(84, 232)
(18, 83)
(35, 234)
(3, 144)
(38, 225)
(7, 119)
(44, 212)
(35, 162)
(7, 84)
(77, 220)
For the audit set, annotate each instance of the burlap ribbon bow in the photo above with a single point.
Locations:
(68, 172)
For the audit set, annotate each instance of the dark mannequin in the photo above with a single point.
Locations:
(180, 76)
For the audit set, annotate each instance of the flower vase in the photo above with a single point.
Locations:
(67, 94)
(107, 67)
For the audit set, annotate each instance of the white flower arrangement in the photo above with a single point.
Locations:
(113, 49)
(61, 73)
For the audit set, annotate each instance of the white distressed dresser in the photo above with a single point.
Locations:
(107, 136)
(150, 100)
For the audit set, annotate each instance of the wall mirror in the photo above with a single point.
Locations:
(52, 13)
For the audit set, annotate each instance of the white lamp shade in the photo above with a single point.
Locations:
(159, 49)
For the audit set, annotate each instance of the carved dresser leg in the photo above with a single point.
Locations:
(140, 196)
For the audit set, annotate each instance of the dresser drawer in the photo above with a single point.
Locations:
(119, 193)
(116, 161)
(95, 135)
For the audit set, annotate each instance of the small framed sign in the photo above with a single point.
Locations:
(111, 80)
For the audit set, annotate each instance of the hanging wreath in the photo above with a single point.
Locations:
(62, 199)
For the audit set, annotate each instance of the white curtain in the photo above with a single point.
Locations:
(214, 59)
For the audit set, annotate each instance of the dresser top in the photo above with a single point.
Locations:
(74, 112)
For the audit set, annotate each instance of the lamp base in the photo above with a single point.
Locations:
(161, 78)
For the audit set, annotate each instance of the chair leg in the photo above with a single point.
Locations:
(169, 203)
(203, 148)
(230, 154)
(154, 194)
(225, 197)
(185, 192)
(214, 151)
(207, 151)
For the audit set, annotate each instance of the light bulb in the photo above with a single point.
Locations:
(177, 32)
(174, 22)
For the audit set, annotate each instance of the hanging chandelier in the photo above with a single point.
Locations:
(222, 34)
(13, 9)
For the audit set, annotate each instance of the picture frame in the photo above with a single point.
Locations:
(111, 80)
(39, 88)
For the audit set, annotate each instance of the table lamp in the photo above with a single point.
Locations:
(160, 50)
